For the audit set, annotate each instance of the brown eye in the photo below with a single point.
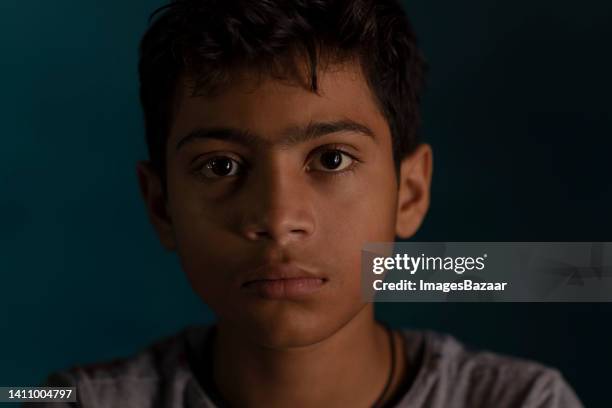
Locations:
(331, 160)
(221, 166)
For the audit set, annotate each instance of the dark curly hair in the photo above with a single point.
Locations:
(207, 39)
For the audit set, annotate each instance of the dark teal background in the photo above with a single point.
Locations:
(518, 113)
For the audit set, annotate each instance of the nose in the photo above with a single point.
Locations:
(278, 208)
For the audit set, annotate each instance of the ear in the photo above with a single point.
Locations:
(153, 196)
(413, 195)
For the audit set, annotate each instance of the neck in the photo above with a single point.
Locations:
(349, 368)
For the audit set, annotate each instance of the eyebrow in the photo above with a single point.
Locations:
(291, 136)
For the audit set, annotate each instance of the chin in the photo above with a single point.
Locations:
(284, 325)
(288, 326)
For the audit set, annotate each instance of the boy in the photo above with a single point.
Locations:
(282, 137)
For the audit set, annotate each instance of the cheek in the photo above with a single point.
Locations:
(364, 211)
(201, 257)
(205, 249)
(348, 220)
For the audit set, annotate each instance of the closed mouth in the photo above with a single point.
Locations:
(294, 279)
(281, 285)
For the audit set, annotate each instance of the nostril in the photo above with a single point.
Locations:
(276, 229)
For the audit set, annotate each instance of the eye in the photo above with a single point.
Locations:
(220, 166)
(331, 161)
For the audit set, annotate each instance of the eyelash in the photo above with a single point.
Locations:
(198, 168)
(350, 169)
(197, 171)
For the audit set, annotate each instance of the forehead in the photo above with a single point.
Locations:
(266, 106)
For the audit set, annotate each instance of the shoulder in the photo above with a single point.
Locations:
(157, 372)
(480, 378)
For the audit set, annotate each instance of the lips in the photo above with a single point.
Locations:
(285, 281)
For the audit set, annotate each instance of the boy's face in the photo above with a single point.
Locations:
(268, 180)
